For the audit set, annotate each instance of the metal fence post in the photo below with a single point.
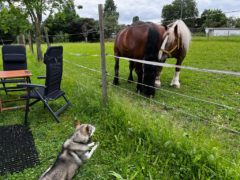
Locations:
(103, 64)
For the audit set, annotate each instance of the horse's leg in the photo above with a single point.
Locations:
(131, 67)
(116, 69)
(139, 72)
(175, 81)
(157, 79)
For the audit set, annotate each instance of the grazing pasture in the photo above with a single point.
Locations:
(186, 133)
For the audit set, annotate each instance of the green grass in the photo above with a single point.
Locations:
(140, 139)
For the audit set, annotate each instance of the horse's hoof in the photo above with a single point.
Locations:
(115, 82)
(157, 84)
(177, 86)
(130, 80)
(138, 91)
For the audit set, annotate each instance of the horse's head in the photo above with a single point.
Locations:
(149, 75)
(171, 43)
(176, 40)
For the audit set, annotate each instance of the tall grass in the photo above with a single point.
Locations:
(140, 139)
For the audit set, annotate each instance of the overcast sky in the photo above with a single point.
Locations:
(150, 10)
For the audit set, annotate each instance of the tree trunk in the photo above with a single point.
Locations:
(38, 41)
(30, 42)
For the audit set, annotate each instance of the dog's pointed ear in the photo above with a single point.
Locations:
(88, 128)
(77, 124)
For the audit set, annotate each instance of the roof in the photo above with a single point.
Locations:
(223, 28)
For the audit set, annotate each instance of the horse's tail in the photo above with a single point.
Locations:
(150, 54)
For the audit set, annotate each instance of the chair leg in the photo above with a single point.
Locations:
(28, 80)
(27, 109)
(51, 111)
(64, 106)
(4, 87)
(68, 102)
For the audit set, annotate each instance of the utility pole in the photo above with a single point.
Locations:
(181, 9)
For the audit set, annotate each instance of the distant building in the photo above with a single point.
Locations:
(222, 31)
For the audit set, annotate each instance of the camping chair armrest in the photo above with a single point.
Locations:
(28, 85)
(41, 77)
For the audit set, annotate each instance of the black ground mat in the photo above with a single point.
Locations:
(17, 149)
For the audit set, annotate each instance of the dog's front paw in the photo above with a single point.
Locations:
(88, 154)
(67, 143)
(91, 144)
(95, 146)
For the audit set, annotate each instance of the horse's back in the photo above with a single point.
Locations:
(130, 42)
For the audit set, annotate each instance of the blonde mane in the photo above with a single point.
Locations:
(183, 32)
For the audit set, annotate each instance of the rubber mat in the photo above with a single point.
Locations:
(17, 149)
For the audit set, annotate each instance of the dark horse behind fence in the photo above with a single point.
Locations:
(146, 41)
(140, 41)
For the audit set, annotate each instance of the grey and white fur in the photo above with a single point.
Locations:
(75, 151)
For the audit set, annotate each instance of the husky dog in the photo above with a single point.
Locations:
(75, 151)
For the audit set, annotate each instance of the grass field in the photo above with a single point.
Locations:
(176, 137)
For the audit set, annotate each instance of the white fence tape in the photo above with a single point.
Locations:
(182, 67)
(164, 64)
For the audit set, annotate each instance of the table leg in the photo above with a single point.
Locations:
(0, 105)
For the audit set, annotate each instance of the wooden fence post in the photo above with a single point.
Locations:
(103, 63)
(23, 40)
(46, 36)
(18, 39)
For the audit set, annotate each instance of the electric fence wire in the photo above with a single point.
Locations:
(221, 126)
(130, 92)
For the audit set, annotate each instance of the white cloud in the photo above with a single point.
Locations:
(150, 10)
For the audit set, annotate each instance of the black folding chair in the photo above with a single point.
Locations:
(14, 58)
(51, 90)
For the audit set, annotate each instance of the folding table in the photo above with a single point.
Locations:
(13, 74)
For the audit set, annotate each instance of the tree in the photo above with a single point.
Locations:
(60, 21)
(110, 18)
(35, 9)
(67, 22)
(213, 18)
(231, 22)
(180, 9)
(89, 27)
(237, 25)
(13, 21)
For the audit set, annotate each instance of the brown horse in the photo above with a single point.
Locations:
(139, 41)
(135, 42)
